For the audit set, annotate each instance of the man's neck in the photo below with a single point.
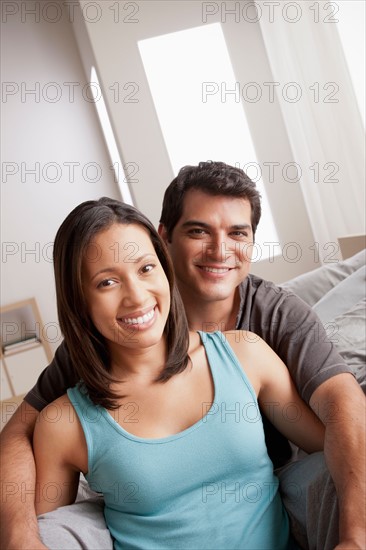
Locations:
(211, 316)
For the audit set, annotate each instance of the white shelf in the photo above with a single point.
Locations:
(5, 390)
(21, 366)
(25, 367)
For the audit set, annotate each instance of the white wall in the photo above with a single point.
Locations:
(37, 129)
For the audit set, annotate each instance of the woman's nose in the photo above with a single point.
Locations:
(134, 294)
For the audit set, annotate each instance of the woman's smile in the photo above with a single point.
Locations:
(140, 320)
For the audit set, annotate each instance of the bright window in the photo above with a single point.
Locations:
(193, 86)
(351, 27)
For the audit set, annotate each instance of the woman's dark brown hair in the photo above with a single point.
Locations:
(87, 347)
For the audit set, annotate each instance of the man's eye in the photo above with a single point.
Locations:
(239, 234)
(197, 231)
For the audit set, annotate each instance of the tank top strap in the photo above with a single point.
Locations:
(226, 368)
(92, 420)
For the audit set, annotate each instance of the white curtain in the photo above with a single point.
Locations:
(324, 124)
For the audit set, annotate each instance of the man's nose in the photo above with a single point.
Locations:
(217, 249)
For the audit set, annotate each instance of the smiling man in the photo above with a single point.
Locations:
(210, 246)
(209, 219)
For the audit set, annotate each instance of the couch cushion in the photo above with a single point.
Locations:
(312, 286)
(343, 296)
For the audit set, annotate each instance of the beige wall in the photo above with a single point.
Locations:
(54, 134)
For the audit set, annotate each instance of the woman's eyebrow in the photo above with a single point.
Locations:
(128, 259)
(131, 259)
(104, 270)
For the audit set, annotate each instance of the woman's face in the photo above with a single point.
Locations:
(128, 295)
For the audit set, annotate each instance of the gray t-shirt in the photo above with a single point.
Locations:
(288, 325)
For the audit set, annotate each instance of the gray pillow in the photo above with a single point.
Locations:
(77, 526)
(343, 296)
(312, 286)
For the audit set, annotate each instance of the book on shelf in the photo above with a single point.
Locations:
(21, 344)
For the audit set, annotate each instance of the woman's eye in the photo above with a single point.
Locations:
(106, 283)
(147, 268)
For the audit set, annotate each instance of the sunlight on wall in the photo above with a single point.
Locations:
(120, 176)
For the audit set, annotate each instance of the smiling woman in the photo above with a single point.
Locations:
(107, 260)
(165, 468)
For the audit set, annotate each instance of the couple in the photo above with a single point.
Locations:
(128, 340)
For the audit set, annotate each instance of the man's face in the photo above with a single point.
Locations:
(211, 245)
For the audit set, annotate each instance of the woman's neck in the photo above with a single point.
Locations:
(134, 362)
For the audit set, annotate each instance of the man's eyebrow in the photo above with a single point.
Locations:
(190, 223)
(199, 223)
(241, 226)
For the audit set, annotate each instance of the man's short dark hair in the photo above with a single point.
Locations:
(213, 178)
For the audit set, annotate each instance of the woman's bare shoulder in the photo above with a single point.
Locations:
(244, 341)
(58, 427)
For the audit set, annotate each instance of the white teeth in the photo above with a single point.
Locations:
(216, 270)
(139, 320)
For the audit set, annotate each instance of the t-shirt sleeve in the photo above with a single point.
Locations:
(53, 381)
(300, 339)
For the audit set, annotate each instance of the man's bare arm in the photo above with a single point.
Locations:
(341, 405)
(19, 528)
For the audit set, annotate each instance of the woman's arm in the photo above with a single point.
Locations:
(60, 453)
(276, 392)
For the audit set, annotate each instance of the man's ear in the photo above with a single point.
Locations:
(163, 232)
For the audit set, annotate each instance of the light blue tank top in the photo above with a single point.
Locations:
(210, 486)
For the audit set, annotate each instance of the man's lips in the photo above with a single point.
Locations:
(215, 269)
